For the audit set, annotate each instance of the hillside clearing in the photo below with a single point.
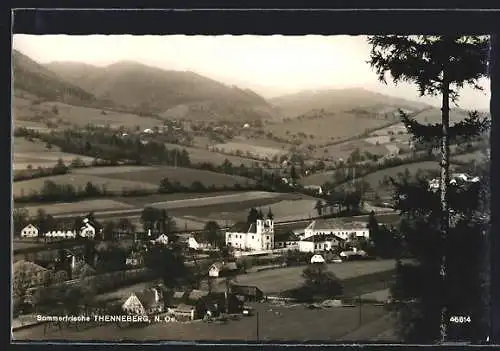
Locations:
(199, 155)
(185, 176)
(246, 148)
(82, 116)
(80, 206)
(26, 187)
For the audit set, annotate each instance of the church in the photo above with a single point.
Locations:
(256, 236)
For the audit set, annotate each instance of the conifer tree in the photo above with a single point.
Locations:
(439, 66)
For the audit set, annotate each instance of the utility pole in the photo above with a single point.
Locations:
(257, 320)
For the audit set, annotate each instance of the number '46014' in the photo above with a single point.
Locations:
(460, 319)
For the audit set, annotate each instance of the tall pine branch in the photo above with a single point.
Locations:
(438, 66)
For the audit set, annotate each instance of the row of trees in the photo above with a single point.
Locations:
(343, 201)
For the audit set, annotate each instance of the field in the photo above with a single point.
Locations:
(78, 207)
(186, 176)
(255, 150)
(25, 187)
(477, 156)
(333, 127)
(120, 178)
(81, 116)
(343, 150)
(279, 280)
(285, 210)
(201, 206)
(276, 323)
(374, 178)
(200, 155)
(36, 154)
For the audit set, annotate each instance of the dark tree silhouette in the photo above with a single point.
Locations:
(438, 65)
(253, 215)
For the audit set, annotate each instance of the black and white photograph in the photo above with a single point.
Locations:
(250, 188)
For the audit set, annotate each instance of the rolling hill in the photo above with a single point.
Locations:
(340, 100)
(37, 82)
(169, 94)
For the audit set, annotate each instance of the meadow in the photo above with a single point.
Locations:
(279, 280)
(374, 178)
(343, 150)
(200, 155)
(26, 187)
(119, 178)
(83, 207)
(81, 116)
(329, 128)
(36, 154)
(276, 323)
(254, 150)
(185, 176)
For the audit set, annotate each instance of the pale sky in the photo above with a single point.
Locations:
(270, 65)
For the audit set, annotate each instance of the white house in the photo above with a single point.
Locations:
(343, 230)
(162, 239)
(323, 242)
(30, 231)
(219, 269)
(144, 302)
(255, 237)
(197, 245)
(88, 230)
(317, 259)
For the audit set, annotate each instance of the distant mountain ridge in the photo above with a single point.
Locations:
(154, 90)
(337, 100)
(32, 78)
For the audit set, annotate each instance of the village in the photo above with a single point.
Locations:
(225, 268)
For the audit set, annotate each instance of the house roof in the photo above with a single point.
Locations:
(197, 294)
(242, 227)
(178, 294)
(32, 225)
(146, 297)
(182, 307)
(323, 238)
(286, 236)
(230, 266)
(27, 265)
(335, 224)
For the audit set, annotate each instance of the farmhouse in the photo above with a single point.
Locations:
(288, 240)
(145, 302)
(198, 244)
(255, 236)
(321, 242)
(29, 273)
(30, 231)
(162, 240)
(220, 269)
(88, 230)
(343, 230)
